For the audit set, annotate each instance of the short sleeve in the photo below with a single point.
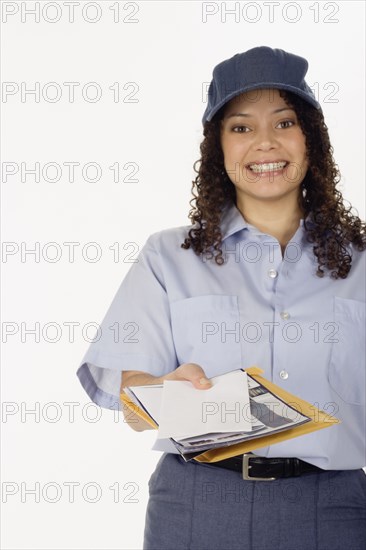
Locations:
(135, 333)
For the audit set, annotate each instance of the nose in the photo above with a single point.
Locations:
(265, 139)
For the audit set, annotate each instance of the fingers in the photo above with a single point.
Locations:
(194, 374)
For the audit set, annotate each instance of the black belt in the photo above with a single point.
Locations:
(254, 467)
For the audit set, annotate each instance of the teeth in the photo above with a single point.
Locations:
(267, 167)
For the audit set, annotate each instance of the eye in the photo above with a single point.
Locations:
(238, 129)
(291, 122)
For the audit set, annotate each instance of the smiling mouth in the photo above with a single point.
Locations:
(267, 167)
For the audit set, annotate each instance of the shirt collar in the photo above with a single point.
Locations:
(232, 221)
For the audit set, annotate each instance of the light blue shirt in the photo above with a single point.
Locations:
(260, 308)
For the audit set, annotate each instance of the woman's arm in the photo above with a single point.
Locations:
(188, 371)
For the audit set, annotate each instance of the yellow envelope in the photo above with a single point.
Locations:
(319, 420)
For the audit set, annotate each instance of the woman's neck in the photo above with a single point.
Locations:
(274, 219)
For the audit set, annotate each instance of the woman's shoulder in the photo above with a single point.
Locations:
(168, 238)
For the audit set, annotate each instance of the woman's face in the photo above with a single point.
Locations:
(259, 134)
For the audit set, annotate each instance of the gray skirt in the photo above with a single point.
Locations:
(201, 507)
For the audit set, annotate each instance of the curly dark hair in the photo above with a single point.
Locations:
(334, 225)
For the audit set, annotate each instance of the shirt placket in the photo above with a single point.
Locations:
(274, 279)
(285, 326)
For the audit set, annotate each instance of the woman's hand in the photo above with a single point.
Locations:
(191, 372)
(188, 371)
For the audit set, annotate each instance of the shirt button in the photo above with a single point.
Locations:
(284, 315)
(284, 374)
(272, 273)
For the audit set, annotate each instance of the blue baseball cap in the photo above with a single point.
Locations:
(260, 67)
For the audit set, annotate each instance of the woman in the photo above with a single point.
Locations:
(271, 273)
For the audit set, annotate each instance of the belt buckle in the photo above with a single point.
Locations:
(246, 466)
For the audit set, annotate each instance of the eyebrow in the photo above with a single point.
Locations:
(248, 115)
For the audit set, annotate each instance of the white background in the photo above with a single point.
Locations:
(169, 53)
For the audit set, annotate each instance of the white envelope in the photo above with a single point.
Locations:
(186, 411)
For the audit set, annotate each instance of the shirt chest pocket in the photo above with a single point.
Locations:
(206, 331)
(347, 365)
